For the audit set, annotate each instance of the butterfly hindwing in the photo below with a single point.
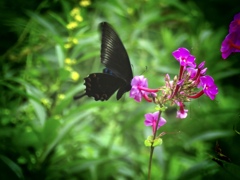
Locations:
(101, 86)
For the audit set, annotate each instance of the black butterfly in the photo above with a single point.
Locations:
(118, 72)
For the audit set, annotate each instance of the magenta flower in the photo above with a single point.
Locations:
(151, 120)
(140, 89)
(184, 57)
(209, 88)
(195, 74)
(181, 113)
(192, 72)
(235, 24)
(230, 44)
(201, 65)
(136, 93)
(203, 71)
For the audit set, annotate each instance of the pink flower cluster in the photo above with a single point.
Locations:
(191, 82)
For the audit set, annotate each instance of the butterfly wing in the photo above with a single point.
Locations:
(118, 72)
(101, 86)
(114, 56)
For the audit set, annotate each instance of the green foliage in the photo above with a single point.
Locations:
(46, 135)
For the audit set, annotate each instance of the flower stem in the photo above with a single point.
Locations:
(197, 95)
(179, 78)
(147, 89)
(150, 162)
(152, 147)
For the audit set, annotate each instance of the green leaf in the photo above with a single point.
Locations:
(157, 142)
(48, 25)
(38, 107)
(13, 166)
(60, 55)
(150, 142)
(208, 136)
(69, 122)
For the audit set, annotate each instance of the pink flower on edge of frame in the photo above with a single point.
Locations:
(230, 44)
(235, 24)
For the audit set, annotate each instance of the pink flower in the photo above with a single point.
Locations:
(140, 89)
(192, 72)
(151, 120)
(136, 93)
(181, 113)
(184, 57)
(230, 44)
(209, 88)
(235, 24)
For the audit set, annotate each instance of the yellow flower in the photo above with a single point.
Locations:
(45, 102)
(74, 40)
(68, 68)
(78, 18)
(85, 3)
(67, 45)
(57, 117)
(68, 61)
(74, 75)
(75, 11)
(61, 96)
(130, 11)
(72, 25)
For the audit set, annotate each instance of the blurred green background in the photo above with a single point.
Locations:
(48, 47)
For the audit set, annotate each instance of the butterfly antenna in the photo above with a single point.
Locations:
(146, 68)
(79, 96)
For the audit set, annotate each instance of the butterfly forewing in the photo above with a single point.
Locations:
(113, 54)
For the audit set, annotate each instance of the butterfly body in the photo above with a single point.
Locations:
(118, 72)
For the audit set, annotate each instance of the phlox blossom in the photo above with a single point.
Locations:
(151, 120)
